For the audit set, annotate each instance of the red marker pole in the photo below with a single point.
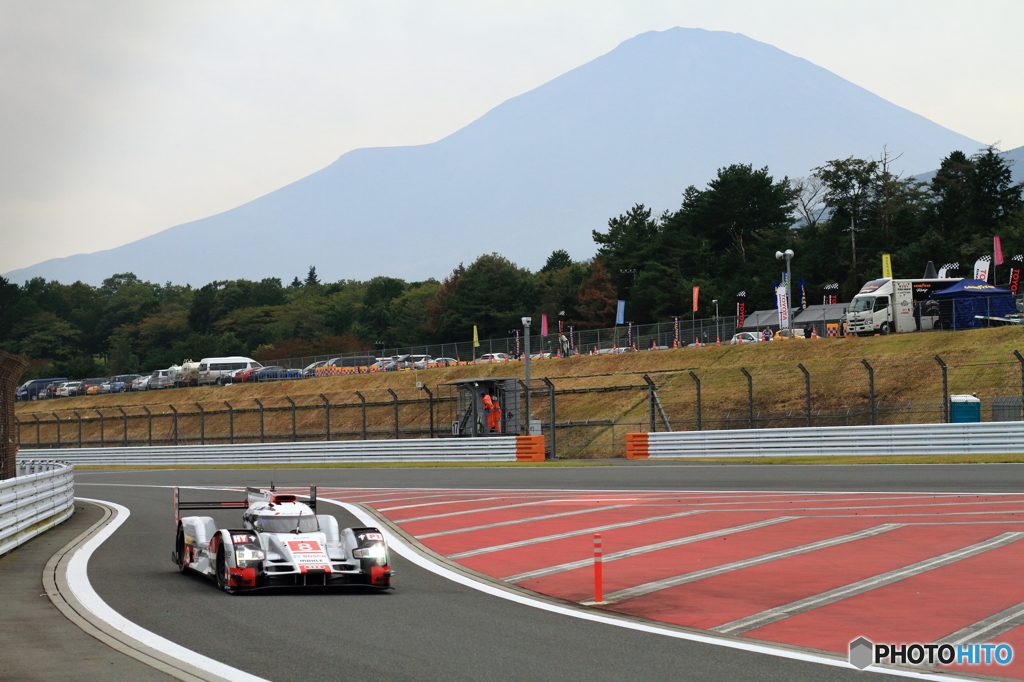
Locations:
(598, 572)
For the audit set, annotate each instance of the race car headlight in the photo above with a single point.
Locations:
(374, 551)
(247, 554)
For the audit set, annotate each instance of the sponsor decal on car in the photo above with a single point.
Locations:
(309, 556)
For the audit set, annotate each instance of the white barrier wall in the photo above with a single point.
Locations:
(41, 496)
(493, 449)
(979, 438)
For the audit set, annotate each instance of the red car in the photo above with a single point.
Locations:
(244, 375)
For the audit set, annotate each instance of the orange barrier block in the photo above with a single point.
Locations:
(530, 449)
(636, 446)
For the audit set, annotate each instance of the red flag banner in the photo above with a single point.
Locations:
(544, 325)
(997, 250)
(696, 296)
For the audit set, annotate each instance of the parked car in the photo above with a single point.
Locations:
(310, 370)
(745, 337)
(105, 387)
(36, 389)
(421, 361)
(493, 357)
(274, 373)
(160, 378)
(69, 389)
(384, 364)
(217, 370)
(243, 375)
(93, 383)
(787, 334)
(122, 383)
(444, 362)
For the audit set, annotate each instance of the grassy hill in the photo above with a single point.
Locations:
(599, 398)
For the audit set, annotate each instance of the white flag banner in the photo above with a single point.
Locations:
(783, 305)
(981, 268)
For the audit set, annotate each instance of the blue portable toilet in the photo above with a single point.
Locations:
(964, 409)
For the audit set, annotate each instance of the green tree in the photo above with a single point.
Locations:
(492, 293)
(311, 279)
(557, 261)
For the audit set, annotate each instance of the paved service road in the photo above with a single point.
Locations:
(430, 628)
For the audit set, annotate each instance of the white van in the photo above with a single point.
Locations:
(219, 370)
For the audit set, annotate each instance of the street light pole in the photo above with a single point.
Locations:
(718, 322)
(526, 348)
(788, 255)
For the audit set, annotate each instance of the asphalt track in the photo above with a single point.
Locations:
(430, 628)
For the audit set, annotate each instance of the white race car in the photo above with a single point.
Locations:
(283, 542)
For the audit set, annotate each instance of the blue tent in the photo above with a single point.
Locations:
(971, 287)
(968, 299)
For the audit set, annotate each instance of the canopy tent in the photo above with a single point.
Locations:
(971, 287)
(831, 312)
(815, 314)
(961, 305)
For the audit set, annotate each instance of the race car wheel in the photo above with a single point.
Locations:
(179, 549)
(222, 572)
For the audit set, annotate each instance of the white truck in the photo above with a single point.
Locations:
(884, 306)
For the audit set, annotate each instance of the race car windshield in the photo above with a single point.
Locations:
(287, 524)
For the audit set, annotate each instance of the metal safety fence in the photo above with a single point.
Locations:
(40, 496)
(492, 449)
(980, 438)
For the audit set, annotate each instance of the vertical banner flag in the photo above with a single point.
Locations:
(1015, 264)
(741, 308)
(997, 250)
(476, 338)
(675, 331)
(775, 286)
(620, 313)
(948, 269)
(981, 268)
(561, 323)
(886, 266)
(629, 334)
(544, 324)
(803, 295)
(696, 296)
(572, 342)
(518, 353)
(783, 305)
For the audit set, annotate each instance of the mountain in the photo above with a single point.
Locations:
(662, 111)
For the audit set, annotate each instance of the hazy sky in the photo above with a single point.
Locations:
(120, 119)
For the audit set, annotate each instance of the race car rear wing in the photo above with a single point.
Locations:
(251, 495)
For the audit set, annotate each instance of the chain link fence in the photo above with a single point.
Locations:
(11, 369)
(587, 415)
(847, 393)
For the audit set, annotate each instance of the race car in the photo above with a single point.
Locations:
(282, 543)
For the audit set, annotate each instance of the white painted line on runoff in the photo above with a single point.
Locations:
(78, 579)
(424, 562)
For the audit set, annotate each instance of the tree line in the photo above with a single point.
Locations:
(839, 221)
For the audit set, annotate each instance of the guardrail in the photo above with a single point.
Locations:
(37, 499)
(487, 449)
(979, 438)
